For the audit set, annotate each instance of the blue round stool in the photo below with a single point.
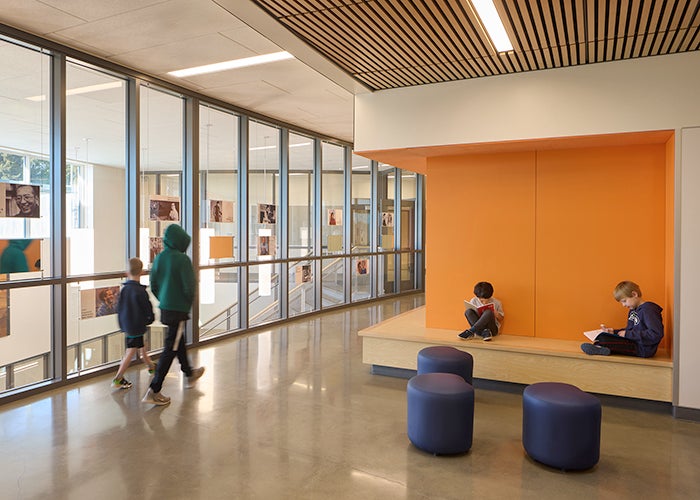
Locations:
(561, 425)
(445, 359)
(440, 413)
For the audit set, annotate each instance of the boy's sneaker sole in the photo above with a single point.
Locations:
(595, 350)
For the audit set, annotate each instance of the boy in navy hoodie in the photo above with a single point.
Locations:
(172, 282)
(643, 332)
(135, 313)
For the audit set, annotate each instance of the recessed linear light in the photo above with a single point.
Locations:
(233, 64)
(492, 24)
(81, 90)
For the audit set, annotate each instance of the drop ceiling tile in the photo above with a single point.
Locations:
(36, 17)
(157, 24)
(92, 10)
(251, 39)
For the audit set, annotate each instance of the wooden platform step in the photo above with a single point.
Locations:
(525, 360)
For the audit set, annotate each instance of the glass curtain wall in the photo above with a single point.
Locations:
(96, 214)
(300, 231)
(360, 227)
(218, 237)
(301, 222)
(264, 219)
(332, 219)
(25, 217)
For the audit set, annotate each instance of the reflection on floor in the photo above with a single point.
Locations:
(293, 413)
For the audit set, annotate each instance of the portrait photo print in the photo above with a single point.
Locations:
(21, 200)
(164, 208)
(267, 214)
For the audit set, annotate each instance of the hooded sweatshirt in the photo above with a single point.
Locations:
(172, 275)
(13, 259)
(645, 327)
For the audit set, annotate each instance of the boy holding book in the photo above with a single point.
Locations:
(643, 332)
(484, 313)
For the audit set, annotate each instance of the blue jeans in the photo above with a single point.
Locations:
(172, 320)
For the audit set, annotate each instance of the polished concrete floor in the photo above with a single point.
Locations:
(293, 413)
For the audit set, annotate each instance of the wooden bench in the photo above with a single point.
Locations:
(394, 344)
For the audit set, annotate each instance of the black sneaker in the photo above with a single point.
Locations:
(595, 350)
(466, 334)
(486, 334)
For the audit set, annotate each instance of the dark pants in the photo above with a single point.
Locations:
(478, 323)
(617, 344)
(172, 320)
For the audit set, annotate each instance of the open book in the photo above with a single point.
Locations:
(592, 334)
(480, 309)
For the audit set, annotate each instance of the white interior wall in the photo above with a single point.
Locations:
(655, 93)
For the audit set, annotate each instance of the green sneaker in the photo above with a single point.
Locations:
(121, 383)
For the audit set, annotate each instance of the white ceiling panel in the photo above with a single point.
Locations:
(94, 10)
(36, 17)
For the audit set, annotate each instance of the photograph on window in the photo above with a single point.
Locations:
(303, 274)
(362, 266)
(97, 302)
(4, 313)
(164, 208)
(220, 211)
(335, 217)
(21, 200)
(267, 214)
(20, 256)
(155, 246)
(267, 245)
(387, 219)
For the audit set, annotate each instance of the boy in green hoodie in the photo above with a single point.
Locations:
(172, 282)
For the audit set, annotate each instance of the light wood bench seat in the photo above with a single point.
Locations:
(525, 360)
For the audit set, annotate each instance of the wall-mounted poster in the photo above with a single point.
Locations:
(4, 313)
(155, 246)
(267, 214)
(302, 274)
(20, 256)
(362, 266)
(267, 245)
(21, 200)
(220, 211)
(221, 247)
(97, 302)
(164, 208)
(387, 219)
(335, 217)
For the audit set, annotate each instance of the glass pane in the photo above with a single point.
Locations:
(263, 293)
(361, 200)
(408, 273)
(264, 192)
(386, 206)
(361, 272)
(387, 281)
(25, 170)
(301, 287)
(333, 281)
(408, 210)
(25, 333)
(92, 322)
(332, 190)
(301, 188)
(96, 171)
(218, 163)
(161, 169)
(218, 304)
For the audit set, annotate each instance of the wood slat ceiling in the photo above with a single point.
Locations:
(399, 43)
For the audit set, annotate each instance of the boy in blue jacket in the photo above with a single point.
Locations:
(643, 332)
(135, 313)
(172, 282)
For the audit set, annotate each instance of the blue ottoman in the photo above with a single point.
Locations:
(440, 413)
(445, 359)
(561, 425)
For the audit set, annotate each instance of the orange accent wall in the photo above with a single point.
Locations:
(554, 231)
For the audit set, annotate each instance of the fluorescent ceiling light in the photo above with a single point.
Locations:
(261, 148)
(233, 64)
(493, 24)
(300, 144)
(82, 90)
